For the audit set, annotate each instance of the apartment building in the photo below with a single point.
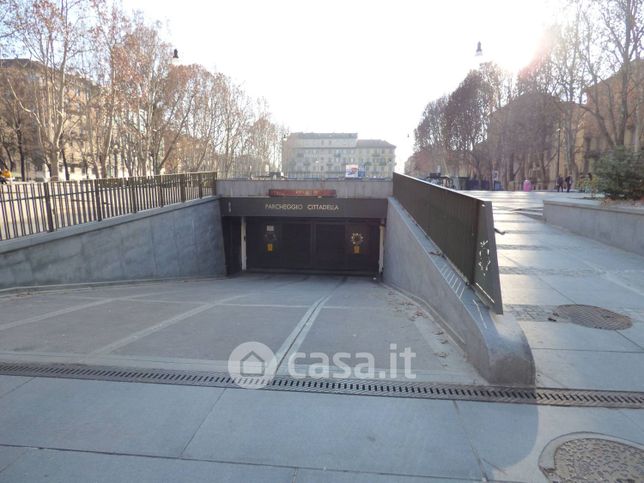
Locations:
(333, 155)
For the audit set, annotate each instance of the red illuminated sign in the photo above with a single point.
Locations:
(312, 193)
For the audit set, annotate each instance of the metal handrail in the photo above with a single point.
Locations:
(462, 226)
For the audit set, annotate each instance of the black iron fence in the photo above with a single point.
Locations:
(462, 227)
(30, 208)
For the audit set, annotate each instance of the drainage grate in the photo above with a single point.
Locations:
(517, 395)
(595, 317)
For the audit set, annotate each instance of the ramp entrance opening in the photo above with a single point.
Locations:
(313, 245)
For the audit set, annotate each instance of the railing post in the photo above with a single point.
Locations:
(200, 181)
(98, 199)
(182, 184)
(50, 216)
(213, 180)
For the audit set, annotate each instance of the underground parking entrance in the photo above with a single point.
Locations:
(439, 255)
(305, 234)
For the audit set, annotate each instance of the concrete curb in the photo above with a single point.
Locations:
(596, 205)
(494, 344)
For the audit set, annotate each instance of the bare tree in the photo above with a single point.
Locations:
(466, 122)
(14, 126)
(5, 27)
(105, 65)
(204, 127)
(429, 134)
(99, 84)
(146, 66)
(264, 142)
(569, 78)
(611, 48)
(237, 117)
(51, 33)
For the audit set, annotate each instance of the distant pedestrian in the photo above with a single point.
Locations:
(568, 183)
(5, 176)
(560, 182)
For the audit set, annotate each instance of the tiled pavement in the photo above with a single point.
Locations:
(77, 431)
(543, 266)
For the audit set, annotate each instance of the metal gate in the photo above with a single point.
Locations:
(313, 245)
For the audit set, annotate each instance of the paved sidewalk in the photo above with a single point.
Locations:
(66, 431)
(542, 267)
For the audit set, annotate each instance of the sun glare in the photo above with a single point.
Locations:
(514, 50)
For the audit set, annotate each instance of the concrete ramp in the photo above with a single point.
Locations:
(494, 344)
(318, 327)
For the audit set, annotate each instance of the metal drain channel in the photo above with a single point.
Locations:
(391, 388)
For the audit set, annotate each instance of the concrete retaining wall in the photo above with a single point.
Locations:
(619, 226)
(495, 345)
(355, 188)
(183, 240)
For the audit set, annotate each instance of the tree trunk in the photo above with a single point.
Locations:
(21, 152)
(65, 167)
(54, 169)
(10, 165)
(544, 174)
(572, 165)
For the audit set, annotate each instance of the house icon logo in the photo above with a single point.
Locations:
(252, 365)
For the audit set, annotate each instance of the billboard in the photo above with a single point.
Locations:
(351, 171)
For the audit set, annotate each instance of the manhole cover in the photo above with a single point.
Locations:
(594, 457)
(595, 317)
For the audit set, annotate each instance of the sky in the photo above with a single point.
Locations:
(351, 66)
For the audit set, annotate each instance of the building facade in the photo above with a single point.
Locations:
(327, 155)
(614, 114)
